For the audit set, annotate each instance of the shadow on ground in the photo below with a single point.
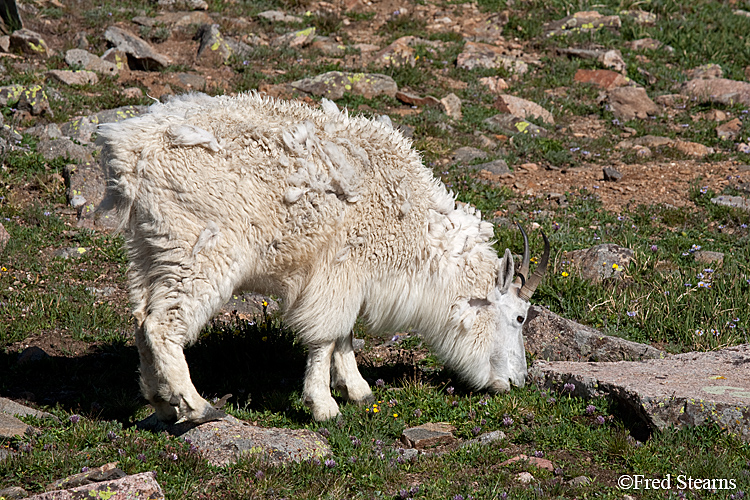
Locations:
(259, 363)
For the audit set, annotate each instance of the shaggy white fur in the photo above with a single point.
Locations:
(334, 214)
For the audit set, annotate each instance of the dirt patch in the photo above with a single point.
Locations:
(664, 182)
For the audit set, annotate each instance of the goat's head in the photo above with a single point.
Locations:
(502, 315)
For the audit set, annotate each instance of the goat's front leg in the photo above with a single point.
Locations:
(165, 378)
(346, 376)
(317, 391)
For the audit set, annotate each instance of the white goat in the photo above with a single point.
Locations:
(334, 214)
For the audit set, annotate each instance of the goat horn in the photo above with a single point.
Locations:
(528, 289)
(523, 272)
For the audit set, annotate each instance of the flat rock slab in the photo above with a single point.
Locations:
(484, 55)
(11, 427)
(141, 485)
(107, 472)
(554, 338)
(10, 407)
(542, 463)
(720, 90)
(335, 84)
(223, 441)
(685, 389)
(428, 435)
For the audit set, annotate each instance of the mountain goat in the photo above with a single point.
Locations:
(334, 214)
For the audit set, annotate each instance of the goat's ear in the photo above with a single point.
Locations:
(505, 273)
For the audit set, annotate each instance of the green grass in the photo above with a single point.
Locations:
(366, 459)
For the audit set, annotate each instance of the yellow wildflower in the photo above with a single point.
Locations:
(564, 274)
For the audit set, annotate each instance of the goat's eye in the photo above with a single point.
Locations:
(520, 319)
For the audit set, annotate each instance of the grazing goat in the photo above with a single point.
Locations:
(334, 214)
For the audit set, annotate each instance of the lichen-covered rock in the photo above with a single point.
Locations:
(451, 106)
(718, 90)
(296, 39)
(28, 42)
(107, 472)
(601, 261)
(505, 123)
(10, 407)
(11, 427)
(428, 435)
(582, 22)
(64, 148)
(141, 485)
(82, 129)
(32, 99)
(86, 190)
(335, 84)
(215, 49)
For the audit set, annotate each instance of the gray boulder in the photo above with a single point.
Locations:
(550, 337)
(628, 103)
(222, 442)
(601, 261)
(80, 58)
(141, 56)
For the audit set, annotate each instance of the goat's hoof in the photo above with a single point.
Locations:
(327, 411)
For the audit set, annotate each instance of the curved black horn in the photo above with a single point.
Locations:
(523, 271)
(528, 289)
